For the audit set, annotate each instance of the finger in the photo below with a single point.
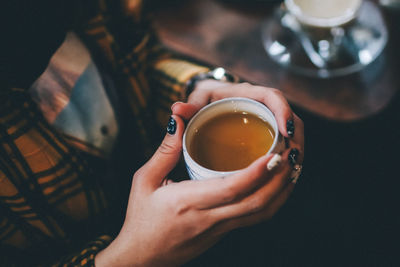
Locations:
(277, 103)
(152, 174)
(202, 94)
(211, 193)
(259, 199)
(272, 98)
(263, 215)
(184, 110)
(200, 98)
(297, 141)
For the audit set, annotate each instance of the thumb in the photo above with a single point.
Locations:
(166, 157)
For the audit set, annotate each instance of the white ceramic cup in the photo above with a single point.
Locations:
(234, 104)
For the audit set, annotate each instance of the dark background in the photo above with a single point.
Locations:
(345, 208)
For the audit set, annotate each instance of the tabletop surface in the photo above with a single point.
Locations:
(344, 209)
(229, 35)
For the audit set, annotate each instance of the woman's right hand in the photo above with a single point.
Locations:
(170, 223)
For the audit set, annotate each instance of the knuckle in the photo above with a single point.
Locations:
(229, 194)
(168, 148)
(171, 202)
(245, 84)
(279, 95)
(138, 179)
(261, 89)
(177, 206)
(256, 205)
(301, 155)
(300, 149)
(277, 92)
(138, 175)
(228, 197)
(217, 95)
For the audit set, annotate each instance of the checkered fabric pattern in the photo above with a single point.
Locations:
(46, 186)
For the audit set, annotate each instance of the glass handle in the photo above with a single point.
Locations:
(292, 24)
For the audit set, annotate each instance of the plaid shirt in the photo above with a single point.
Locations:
(47, 187)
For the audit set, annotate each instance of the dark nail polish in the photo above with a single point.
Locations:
(171, 128)
(290, 127)
(294, 153)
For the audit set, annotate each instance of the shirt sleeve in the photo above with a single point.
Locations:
(154, 76)
(151, 77)
(44, 184)
(25, 233)
(85, 257)
(168, 75)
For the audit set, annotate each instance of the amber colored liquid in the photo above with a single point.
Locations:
(231, 141)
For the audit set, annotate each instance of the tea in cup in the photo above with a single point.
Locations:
(228, 135)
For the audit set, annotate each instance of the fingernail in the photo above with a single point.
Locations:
(294, 153)
(296, 173)
(274, 161)
(171, 128)
(290, 128)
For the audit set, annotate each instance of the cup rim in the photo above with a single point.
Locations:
(321, 22)
(188, 157)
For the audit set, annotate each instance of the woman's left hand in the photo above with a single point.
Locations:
(210, 90)
(289, 124)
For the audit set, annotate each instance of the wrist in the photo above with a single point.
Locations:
(114, 255)
(127, 249)
(107, 257)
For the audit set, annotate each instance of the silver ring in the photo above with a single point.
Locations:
(296, 173)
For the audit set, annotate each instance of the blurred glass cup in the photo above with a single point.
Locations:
(325, 14)
(325, 38)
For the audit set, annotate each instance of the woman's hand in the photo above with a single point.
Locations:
(169, 223)
(206, 91)
(211, 90)
(289, 124)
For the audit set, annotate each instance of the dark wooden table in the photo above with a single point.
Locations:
(229, 35)
(344, 211)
